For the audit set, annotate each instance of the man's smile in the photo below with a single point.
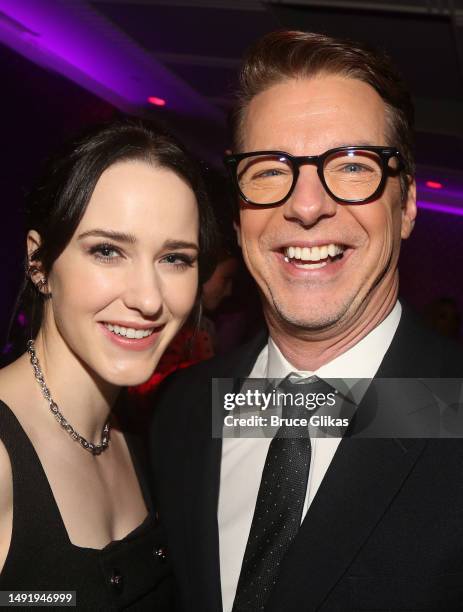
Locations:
(313, 262)
(313, 258)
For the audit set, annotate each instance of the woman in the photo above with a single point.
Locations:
(117, 232)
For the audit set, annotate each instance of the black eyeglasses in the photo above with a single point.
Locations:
(350, 175)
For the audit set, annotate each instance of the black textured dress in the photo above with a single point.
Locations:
(128, 574)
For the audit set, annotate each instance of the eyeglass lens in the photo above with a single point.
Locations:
(349, 175)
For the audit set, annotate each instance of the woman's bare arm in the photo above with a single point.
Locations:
(6, 504)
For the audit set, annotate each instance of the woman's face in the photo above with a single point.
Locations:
(128, 278)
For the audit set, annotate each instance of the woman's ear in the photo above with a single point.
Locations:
(35, 270)
(33, 243)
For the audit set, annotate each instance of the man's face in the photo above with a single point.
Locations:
(307, 117)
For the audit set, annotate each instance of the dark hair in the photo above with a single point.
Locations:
(222, 201)
(283, 55)
(58, 203)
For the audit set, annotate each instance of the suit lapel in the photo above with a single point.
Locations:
(362, 480)
(360, 484)
(202, 471)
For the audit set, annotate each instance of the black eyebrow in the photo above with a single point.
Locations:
(110, 234)
(130, 238)
(180, 244)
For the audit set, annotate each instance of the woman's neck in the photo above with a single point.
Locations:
(82, 397)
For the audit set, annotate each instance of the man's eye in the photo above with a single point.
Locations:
(269, 173)
(354, 168)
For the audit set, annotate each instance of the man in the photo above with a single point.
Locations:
(379, 525)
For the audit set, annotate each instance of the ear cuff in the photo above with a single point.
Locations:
(41, 283)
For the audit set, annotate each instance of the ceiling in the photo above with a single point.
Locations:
(188, 52)
(202, 42)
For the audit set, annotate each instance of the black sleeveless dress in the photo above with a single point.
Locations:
(128, 574)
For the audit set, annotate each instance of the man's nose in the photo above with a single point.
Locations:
(309, 201)
(143, 291)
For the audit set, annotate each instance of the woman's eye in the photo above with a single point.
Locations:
(105, 252)
(179, 260)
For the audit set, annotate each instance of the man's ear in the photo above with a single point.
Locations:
(237, 228)
(409, 210)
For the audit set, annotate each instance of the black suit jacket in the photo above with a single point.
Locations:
(385, 529)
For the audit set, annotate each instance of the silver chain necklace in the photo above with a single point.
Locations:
(95, 449)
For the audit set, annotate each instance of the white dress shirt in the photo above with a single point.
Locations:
(243, 459)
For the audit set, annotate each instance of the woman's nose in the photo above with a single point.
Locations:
(143, 291)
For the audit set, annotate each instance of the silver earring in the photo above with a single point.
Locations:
(41, 284)
(31, 270)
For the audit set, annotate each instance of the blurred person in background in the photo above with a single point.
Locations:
(444, 316)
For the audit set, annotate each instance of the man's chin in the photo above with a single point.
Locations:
(308, 318)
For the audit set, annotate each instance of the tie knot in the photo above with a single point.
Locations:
(300, 398)
(298, 384)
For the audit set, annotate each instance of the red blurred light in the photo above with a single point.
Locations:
(156, 101)
(434, 184)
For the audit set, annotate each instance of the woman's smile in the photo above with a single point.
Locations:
(131, 338)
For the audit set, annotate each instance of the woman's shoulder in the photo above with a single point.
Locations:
(14, 402)
(10, 396)
(11, 377)
(11, 392)
(6, 500)
(7, 423)
(15, 386)
(5, 474)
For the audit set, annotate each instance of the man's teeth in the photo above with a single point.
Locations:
(316, 253)
(317, 256)
(129, 332)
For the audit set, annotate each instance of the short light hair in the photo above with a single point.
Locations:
(284, 55)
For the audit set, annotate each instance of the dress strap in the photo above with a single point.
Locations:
(37, 524)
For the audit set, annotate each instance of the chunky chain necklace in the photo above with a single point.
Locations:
(95, 449)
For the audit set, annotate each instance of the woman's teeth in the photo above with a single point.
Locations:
(129, 332)
(319, 254)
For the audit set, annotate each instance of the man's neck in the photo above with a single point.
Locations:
(308, 350)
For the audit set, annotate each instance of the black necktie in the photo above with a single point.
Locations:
(279, 505)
